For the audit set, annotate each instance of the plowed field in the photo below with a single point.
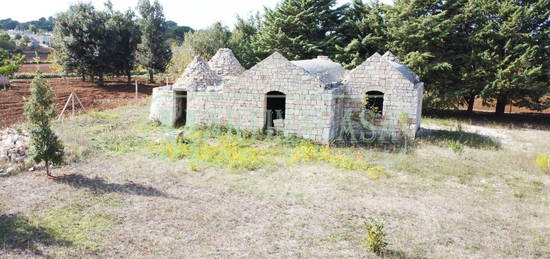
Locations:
(115, 93)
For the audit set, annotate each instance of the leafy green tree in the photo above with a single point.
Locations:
(363, 33)
(207, 42)
(516, 54)
(242, 38)
(86, 51)
(125, 36)
(154, 53)
(300, 29)
(33, 29)
(39, 109)
(9, 64)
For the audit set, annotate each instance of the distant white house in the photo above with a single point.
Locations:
(37, 40)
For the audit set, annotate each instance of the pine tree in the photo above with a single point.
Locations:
(154, 52)
(422, 34)
(299, 29)
(363, 33)
(241, 40)
(516, 54)
(39, 109)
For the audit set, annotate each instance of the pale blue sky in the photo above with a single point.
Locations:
(195, 13)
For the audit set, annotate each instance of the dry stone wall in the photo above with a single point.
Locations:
(222, 93)
(401, 95)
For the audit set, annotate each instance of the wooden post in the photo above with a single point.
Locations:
(136, 90)
(72, 103)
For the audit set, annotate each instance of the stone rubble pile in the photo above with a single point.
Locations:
(224, 63)
(197, 76)
(14, 149)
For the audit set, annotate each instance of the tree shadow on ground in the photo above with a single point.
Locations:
(517, 120)
(19, 234)
(98, 185)
(444, 137)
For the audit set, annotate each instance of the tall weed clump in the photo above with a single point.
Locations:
(543, 162)
(376, 236)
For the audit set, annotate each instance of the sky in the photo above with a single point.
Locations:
(198, 14)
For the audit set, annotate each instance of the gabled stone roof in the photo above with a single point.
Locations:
(197, 76)
(224, 63)
(327, 70)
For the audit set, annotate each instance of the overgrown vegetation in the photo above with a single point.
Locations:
(376, 236)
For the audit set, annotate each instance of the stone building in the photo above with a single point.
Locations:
(315, 99)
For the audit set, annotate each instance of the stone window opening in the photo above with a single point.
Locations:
(181, 107)
(275, 110)
(374, 102)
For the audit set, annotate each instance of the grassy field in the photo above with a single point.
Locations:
(465, 189)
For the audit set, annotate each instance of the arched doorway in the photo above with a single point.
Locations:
(375, 102)
(275, 108)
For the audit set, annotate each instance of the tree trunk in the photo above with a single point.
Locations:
(100, 81)
(129, 74)
(501, 105)
(47, 168)
(151, 76)
(83, 78)
(471, 100)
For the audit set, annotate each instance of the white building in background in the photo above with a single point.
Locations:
(37, 40)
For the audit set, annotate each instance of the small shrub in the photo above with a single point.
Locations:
(543, 162)
(376, 237)
(456, 147)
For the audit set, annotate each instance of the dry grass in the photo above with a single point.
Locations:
(118, 200)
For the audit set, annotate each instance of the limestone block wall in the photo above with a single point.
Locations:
(163, 106)
(401, 96)
(242, 102)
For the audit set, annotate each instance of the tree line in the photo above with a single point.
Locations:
(464, 49)
(45, 24)
(95, 43)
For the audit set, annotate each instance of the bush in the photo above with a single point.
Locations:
(456, 147)
(376, 237)
(543, 162)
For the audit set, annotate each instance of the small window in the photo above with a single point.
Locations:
(374, 102)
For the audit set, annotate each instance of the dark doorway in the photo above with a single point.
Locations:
(275, 107)
(375, 102)
(181, 108)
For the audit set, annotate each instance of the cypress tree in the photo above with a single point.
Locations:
(300, 29)
(39, 109)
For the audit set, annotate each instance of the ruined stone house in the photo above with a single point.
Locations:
(314, 99)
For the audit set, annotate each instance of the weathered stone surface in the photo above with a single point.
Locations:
(321, 98)
(224, 63)
(197, 76)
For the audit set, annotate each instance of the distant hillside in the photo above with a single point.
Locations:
(45, 24)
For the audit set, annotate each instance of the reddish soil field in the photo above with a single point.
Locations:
(114, 94)
(31, 68)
